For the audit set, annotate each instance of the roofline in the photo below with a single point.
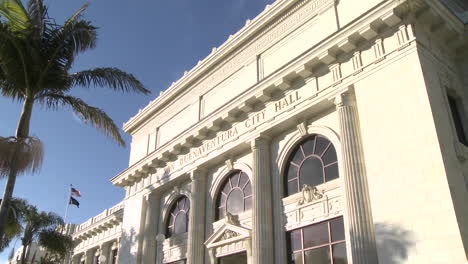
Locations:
(234, 41)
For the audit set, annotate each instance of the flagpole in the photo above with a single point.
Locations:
(68, 205)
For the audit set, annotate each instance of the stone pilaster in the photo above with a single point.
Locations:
(76, 259)
(196, 229)
(89, 256)
(104, 253)
(159, 248)
(152, 201)
(262, 224)
(358, 208)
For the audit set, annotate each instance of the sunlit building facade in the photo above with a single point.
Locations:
(322, 132)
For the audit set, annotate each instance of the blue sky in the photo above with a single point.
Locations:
(156, 41)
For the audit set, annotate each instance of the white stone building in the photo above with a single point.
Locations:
(323, 131)
(32, 257)
(97, 240)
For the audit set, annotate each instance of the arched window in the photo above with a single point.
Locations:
(177, 221)
(235, 195)
(312, 162)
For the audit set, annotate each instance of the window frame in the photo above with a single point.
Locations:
(458, 117)
(169, 230)
(227, 181)
(298, 147)
(290, 252)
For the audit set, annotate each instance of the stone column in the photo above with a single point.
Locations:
(151, 227)
(159, 248)
(196, 228)
(119, 247)
(96, 256)
(358, 208)
(262, 224)
(104, 253)
(89, 256)
(76, 259)
(113, 246)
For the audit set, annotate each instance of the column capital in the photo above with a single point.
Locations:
(345, 98)
(197, 174)
(260, 142)
(160, 238)
(151, 195)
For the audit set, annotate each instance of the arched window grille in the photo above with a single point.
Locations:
(235, 195)
(177, 220)
(312, 162)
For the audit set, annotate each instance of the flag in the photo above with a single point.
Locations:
(74, 201)
(75, 192)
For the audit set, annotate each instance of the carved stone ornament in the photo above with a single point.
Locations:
(310, 194)
(231, 219)
(228, 234)
(229, 164)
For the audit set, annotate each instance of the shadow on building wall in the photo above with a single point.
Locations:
(128, 247)
(393, 243)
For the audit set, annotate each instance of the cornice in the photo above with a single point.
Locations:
(363, 30)
(251, 28)
(112, 217)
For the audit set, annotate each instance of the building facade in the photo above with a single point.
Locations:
(323, 131)
(97, 240)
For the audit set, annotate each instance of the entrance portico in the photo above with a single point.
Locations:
(230, 243)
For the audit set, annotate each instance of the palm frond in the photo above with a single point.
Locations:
(39, 18)
(110, 77)
(64, 44)
(15, 15)
(15, 217)
(71, 39)
(77, 14)
(87, 113)
(15, 64)
(20, 155)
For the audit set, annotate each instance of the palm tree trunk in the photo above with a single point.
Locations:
(22, 131)
(23, 254)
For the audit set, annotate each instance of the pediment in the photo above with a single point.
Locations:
(226, 234)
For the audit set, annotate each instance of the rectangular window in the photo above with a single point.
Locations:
(114, 256)
(260, 72)
(458, 117)
(151, 142)
(201, 108)
(177, 262)
(321, 243)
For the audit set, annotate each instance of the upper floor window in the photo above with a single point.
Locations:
(458, 117)
(312, 162)
(177, 221)
(322, 243)
(235, 195)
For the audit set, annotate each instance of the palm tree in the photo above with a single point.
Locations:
(15, 217)
(44, 229)
(36, 57)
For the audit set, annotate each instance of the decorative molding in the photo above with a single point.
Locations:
(302, 129)
(260, 142)
(326, 203)
(231, 219)
(310, 194)
(219, 177)
(229, 239)
(261, 39)
(228, 234)
(327, 132)
(229, 164)
(388, 15)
